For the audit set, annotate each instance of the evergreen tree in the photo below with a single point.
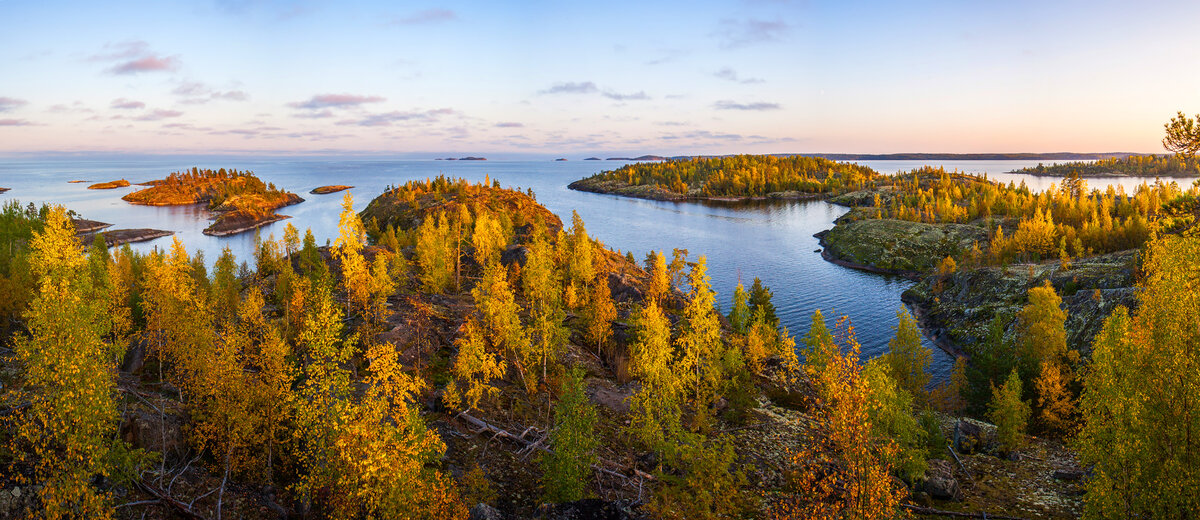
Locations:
(1009, 413)
(760, 301)
(907, 358)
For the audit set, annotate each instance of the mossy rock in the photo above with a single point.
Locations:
(898, 246)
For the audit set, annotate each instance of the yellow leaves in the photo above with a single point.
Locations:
(475, 366)
(69, 379)
(844, 470)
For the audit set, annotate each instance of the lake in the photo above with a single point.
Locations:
(772, 241)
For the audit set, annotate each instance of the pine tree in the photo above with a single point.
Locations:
(760, 301)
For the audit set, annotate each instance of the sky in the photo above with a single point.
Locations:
(574, 79)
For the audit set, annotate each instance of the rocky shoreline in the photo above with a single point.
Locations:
(228, 224)
(325, 190)
(656, 193)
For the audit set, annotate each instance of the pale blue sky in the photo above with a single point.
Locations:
(573, 78)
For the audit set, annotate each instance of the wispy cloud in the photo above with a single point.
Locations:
(427, 16)
(732, 105)
(158, 115)
(732, 75)
(570, 87)
(197, 93)
(636, 96)
(741, 33)
(134, 57)
(509, 124)
(127, 104)
(398, 116)
(322, 101)
(15, 122)
(588, 87)
(7, 103)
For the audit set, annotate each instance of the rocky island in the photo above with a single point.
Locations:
(240, 200)
(109, 185)
(86, 232)
(325, 190)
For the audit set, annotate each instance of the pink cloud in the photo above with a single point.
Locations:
(150, 63)
(127, 104)
(158, 114)
(334, 101)
(14, 122)
(7, 103)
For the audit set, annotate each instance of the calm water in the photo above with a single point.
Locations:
(772, 241)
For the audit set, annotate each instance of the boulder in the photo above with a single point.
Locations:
(588, 509)
(624, 288)
(483, 511)
(515, 253)
(969, 437)
(939, 481)
(1069, 475)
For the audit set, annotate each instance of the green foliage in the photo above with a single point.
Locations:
(1183, 136)
(1140, 395)
(818, 343)
(567, 469)
(739, 314)
(709, 486)
(760, 303)
(907, 358)
(1041, 331)
(991, 361)
(1009, 413)
(891, 414)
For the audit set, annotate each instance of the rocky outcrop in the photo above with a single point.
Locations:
(589, 509)
(956, 310)
(939, 481)
(118, 237)
(892, 246)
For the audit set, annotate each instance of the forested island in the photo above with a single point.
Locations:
(325, 190)
(1132, 166)
(241, 200)
(740, 177)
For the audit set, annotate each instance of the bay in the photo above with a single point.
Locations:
(769, 240)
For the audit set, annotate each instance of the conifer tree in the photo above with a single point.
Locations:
(760, 301)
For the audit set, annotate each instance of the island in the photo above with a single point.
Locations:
(241, 201)
(86, 232)
(639, 158)
(1161, 165)
(592, 159)
(472, 158)
(77, 181)
(2, 190)
(325, 190)
(732, 178)
(560, 159)
(109, 185)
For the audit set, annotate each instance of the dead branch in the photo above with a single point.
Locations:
(938, 512)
